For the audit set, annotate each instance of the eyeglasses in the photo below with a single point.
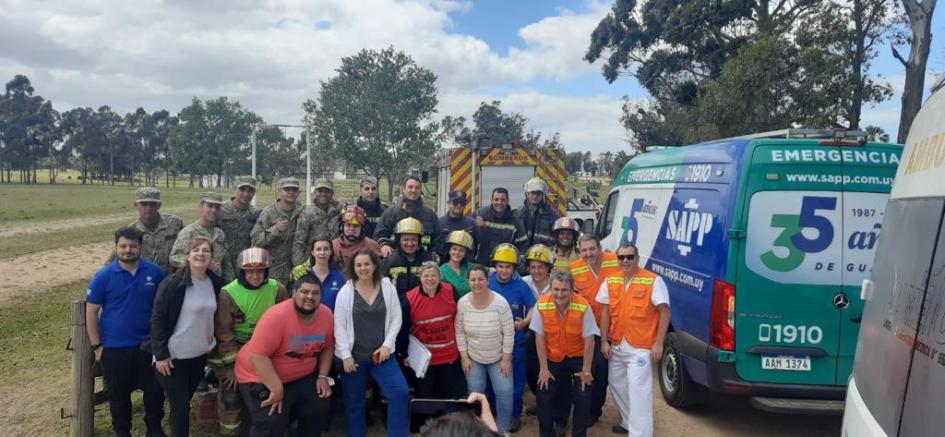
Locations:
(627, 257)
(458, 202)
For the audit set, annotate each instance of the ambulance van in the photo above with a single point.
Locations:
(898, 384)
(763, 242)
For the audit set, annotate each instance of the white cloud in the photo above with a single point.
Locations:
(270, 55)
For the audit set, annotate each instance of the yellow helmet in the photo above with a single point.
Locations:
(505, 253)
(409, 225)
(461, 238)
(540, 252)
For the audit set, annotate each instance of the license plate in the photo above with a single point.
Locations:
(797, 363)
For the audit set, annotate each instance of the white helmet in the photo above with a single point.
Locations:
(536, 184)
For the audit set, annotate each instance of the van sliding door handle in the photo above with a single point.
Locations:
(856, 319)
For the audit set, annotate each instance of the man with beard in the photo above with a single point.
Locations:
(240, 305)
(371, 204)
(237, 217)
(205, 226)
(283, 372)
(410, 206)
(353, 224)
(159, 230)
(275, 229)
(124, 292)
(536, 215)
(317, 220)
(565, 231)
(497, 225)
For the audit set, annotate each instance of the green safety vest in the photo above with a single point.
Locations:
(252, 303)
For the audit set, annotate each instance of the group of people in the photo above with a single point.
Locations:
(292, 303)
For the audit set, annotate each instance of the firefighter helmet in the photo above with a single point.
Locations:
(564, 223)
(540, 252)
(254, 258)
(536, 184)
(505, 253)
(353, 215)
(461, 238)
(409, 225)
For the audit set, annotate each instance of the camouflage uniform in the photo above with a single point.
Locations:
(158, 239)
(314, 223)
(236, 225)
(278, 243)
(178, 256)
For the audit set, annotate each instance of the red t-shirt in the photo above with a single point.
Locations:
(291, 344)
(432, 319)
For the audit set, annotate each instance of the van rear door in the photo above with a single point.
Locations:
(790, 283)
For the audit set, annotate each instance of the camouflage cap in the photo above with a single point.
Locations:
(368, 180)
(323, 183)
(289, 182)
(211, 197)
(148, 194)
(245, 181)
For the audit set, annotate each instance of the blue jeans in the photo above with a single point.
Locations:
(476, 379)
(391, 380)
(518, 377)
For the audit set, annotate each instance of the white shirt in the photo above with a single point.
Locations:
(589, 326)
(531, 284)
(659, 296)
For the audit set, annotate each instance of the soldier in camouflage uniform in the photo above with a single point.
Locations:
(237, 217)
(160, 230)
(320, 219)
(275, 229)
(205, 226)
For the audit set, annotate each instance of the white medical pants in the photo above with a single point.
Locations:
(631, 385)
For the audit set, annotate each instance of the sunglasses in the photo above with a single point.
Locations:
(627, 257)
(459, 202)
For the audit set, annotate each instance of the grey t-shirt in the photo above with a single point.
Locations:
(369, 322)
(193, 335)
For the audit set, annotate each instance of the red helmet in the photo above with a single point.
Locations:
(353, 215)
(565, 223)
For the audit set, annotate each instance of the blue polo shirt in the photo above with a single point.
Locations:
(519, 296)
(126, 302)
(333, 283)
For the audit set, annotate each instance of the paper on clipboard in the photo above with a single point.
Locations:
(419, 356)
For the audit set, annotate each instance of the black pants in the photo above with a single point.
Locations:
(179, 388)
(549, 400)
(531, 360)
(599, 386)
(439, 382)
(300, 403)
(128, 369)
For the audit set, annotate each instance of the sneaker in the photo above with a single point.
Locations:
(515, 425)
(619, 429)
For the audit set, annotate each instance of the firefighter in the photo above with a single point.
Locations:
(565, 232)
(411, 205)
(564, 327)
(497, 225)
(589, 273)
(521, 300)
(539, 260)
(371, 204)
(239, 307)
(353, 222)
(635, 319)
(456, 219)
(536, 215)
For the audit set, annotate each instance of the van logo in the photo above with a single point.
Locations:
(791, 238)
(841, 301)
(687, 225)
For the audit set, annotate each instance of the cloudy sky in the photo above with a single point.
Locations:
(271, 55)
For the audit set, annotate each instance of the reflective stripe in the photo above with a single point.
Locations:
(505, 226)
(435, 319)
(397, 270)
(579, 270)
(439, 346)
(611, 263)
(577, 307)
(642, 281)
(542, 306)
(615, 280)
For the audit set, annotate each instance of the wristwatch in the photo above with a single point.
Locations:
(331, 381)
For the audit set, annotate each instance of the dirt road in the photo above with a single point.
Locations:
(43, 271)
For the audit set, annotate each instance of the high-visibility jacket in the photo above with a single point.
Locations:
(433, 322)
(564, 337)
(587, 284)
(633, 317)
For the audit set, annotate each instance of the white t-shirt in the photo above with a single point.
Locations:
(659, 296)
(531, 284)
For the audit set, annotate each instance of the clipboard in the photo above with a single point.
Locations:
(419, 356)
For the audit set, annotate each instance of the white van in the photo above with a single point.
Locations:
(898, 382)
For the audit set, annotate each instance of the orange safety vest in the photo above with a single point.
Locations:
(587, 285)
(564, 338)
(633, 317)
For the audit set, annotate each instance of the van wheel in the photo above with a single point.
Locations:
(678, 389)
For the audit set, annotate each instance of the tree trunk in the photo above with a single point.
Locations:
(856, 100)
(920, 22)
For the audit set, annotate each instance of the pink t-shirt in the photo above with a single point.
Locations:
(291, 344)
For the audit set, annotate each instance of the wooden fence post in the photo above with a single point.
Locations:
(83, 385)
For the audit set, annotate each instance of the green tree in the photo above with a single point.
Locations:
(876, 134)
(496, 127)
(377, 114)
(919, 16)
(573, 162)
(28, 129)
